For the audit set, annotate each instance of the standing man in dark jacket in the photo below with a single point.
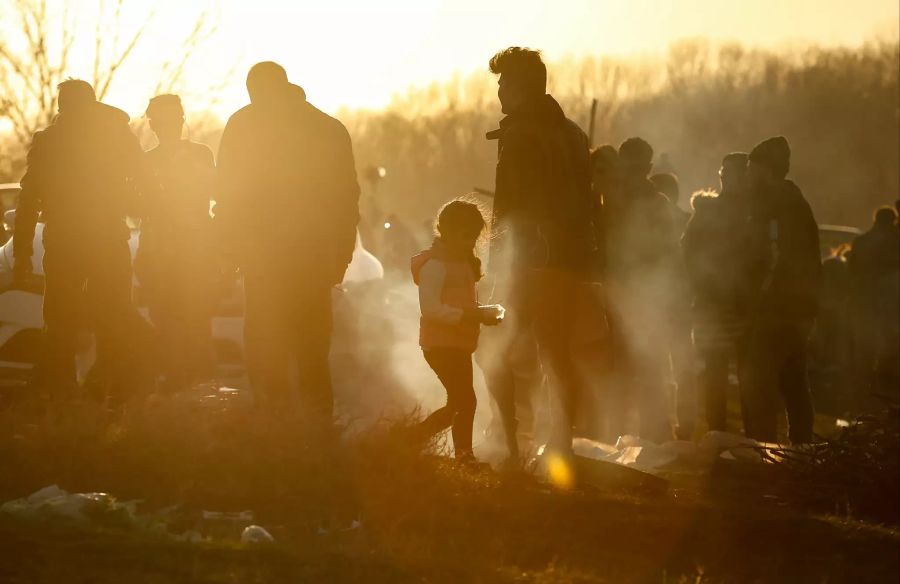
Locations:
(288, 202)
(81, 171)
(542, 218)
(643, 268)
(713, 246)
(785, 273)
(681, 349)
(873, 264)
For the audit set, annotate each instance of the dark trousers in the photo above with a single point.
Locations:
(681, 350)
(508, 356)
(714, 384)
(87, 285)
(640, 328)
(287, 339)
(552, 296)
(181, 298)
(776, 371)
(454, 368)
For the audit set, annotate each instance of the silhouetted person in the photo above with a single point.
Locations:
(681, 348)
(79, 179)
(643, 261)
(667, 184)
(288, 199)
(612, 398)
(786, 274)
(604, 171)
(175, 262)
(873, 265)
(605, 187)
(832, 333)
(447, 275)
(542, 220)
(713, 247)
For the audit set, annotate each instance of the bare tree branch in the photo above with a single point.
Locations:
(105, 78)
(32, 65)
(173, 73)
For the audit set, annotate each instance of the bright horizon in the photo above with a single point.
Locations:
(354, 54)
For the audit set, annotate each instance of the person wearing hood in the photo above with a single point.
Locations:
(287, 208)
(80, 182)
(643, 270)
(785, 272)
(542, 226)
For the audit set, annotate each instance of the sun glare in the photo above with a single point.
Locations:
(359, 54)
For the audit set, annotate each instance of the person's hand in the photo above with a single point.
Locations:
(492, 314)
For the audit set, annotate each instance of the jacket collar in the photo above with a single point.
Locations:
(544, 109)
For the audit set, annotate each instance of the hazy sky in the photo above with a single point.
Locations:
(358, 53)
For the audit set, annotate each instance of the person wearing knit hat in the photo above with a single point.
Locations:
(642, 260)
(785, 274)
(174, 263)
(773, 155)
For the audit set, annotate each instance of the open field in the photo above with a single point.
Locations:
(423, 519)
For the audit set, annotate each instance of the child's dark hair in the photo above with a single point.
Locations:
(463, 215)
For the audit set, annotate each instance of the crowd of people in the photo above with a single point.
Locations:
(687, 298)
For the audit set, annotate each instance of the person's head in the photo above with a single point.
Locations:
(75, 95)
(523, 77)
(267, 83)
(667, 184)
(635, 158)
(166, 117)
(460, 224)
(604, 166)
(733, 172)
(884, 217)
(770, 161)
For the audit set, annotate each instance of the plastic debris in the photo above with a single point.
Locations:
(334, 526)
(55, 503)
(192, 536)
(254, 534)
(635, 452)
(236, 516)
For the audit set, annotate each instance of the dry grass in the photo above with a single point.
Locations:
(424, 519)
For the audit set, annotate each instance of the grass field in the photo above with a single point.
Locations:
(424, 519)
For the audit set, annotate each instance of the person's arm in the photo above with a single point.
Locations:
(206, 171)
(29, 207)
(515, 202)
(141, 186)
(225, 187)
(691, 248)
(346, 204)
